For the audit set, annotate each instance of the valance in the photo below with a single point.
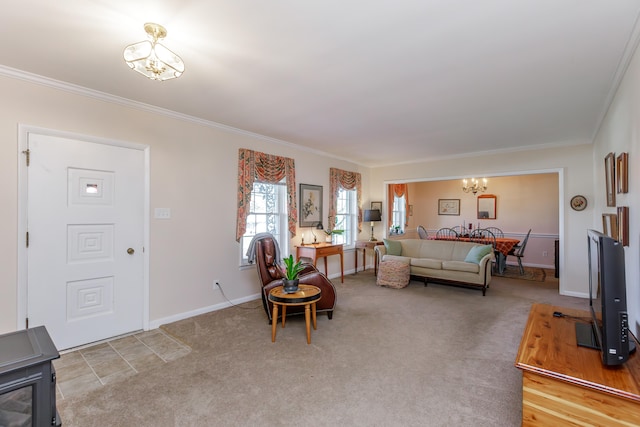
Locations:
(397, 190)
(339, 178)
(256, 166)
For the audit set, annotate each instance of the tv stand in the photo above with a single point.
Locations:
(586, 336)
(563, 382)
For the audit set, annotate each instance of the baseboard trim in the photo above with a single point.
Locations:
(154, 324)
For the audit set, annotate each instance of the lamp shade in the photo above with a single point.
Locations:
(372, 215)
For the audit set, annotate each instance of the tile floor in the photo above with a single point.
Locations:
(88, 368)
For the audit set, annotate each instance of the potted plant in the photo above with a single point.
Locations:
(331, 233)
(290, 279)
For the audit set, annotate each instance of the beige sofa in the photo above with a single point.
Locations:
(442, 261)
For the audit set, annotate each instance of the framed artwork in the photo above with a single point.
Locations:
(610, 225)
(310, 205)
(448, 206)
(376, 205)
(623, 225)
(622, 173)
(610, 178)
(410, 210)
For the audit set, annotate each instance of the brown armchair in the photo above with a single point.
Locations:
(270, 277)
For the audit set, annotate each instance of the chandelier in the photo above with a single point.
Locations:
(474, 186)
(151, 59)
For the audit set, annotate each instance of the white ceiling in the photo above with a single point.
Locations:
(376, 82)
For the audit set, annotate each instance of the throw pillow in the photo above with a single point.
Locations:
(393, 247)
(478, 252)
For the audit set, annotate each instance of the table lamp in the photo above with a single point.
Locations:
(372, 216)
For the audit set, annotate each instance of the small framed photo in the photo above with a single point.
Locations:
(623, 225)
(610, 178)
(448, 206)
(376, 205)
(310, 205)
(610, 225)
(622, 173)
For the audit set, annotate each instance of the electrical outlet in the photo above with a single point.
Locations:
(216, 285)
(545, 253)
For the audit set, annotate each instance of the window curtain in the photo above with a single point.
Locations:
(256, 166)
(339, 178)
(398, 190)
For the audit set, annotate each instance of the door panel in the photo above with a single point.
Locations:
(85, 210)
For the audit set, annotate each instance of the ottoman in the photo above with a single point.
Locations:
(393, 274)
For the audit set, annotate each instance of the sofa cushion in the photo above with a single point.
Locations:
(469, 267)
(393, 247)
(427, 263)
(434, 249)
(477, 253)
(404, 259)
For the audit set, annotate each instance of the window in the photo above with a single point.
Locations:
(267, 213)
(399, 213)
(346, 217)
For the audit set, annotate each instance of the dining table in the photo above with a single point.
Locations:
(503, 246)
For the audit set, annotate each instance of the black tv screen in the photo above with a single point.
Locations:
(609, 329)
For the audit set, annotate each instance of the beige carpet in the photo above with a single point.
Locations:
(418, 356)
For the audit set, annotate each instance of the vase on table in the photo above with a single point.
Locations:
(290, 286)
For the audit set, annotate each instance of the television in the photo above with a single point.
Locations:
(608, 329)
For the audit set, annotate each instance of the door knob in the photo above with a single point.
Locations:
(130, 251)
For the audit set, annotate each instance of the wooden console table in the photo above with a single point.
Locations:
(321, 250)
(364, 245)
(563, 384)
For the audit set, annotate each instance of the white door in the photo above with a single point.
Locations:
(85, 261)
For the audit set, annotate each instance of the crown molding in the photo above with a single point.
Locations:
(26, 76)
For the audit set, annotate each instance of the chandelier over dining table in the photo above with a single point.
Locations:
(474, 186)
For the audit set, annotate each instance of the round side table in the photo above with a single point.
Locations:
(307, 295)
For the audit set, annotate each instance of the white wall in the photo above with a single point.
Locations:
(193, 172)
(573, 164)
(619, 133)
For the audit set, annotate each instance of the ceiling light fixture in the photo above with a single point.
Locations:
(475, 186)
(152, 59)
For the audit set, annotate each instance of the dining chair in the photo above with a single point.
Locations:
(447, 233)
(518, 251)
(483, 235)
(496, 231)
(422, 232)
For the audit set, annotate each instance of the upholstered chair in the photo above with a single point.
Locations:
(270, 276)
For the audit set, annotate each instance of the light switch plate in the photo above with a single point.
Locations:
(162, 213)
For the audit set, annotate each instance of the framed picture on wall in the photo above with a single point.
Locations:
(622, 173)
(376, 205)
(610, 178)
(448, 206)
(623, 225)
(610, 225)
(310, 205)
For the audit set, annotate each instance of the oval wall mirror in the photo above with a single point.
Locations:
(487, 206)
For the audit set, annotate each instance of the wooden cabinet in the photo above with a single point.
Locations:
(563, 384)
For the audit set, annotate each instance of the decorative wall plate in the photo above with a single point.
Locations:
(578, 203)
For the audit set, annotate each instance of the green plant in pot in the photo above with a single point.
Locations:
(334, 232)
(291, 273)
